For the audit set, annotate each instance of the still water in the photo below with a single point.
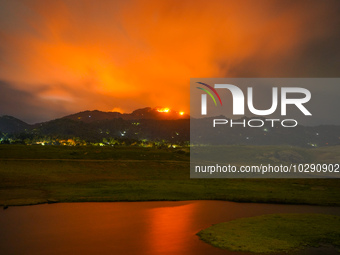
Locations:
(143, 228)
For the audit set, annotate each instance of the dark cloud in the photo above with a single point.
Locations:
(318, 57)
(27, 106)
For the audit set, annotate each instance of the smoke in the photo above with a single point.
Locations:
(129, 54)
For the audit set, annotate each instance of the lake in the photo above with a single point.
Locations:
(144, 228)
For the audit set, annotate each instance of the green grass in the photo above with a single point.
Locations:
(274, 233)
(40, 174)
(88, 153)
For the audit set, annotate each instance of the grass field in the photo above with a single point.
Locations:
(40, 174)
(274, 233)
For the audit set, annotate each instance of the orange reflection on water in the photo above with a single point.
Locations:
(169, 228)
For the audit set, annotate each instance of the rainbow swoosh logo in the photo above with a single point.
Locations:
(209, 93)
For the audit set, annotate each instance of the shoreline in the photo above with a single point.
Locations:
(165, 200)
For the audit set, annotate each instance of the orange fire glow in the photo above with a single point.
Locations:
(79, 55)
(163, 110)
(167, 222)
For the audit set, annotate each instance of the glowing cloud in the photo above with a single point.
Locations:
(98, 54)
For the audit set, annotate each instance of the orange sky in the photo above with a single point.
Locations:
(69, 56)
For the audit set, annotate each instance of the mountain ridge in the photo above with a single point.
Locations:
(159, 124)
(143, 113)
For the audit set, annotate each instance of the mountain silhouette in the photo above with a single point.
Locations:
(9, 124)
(94, 126)
(161, 124)
(145, 113)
